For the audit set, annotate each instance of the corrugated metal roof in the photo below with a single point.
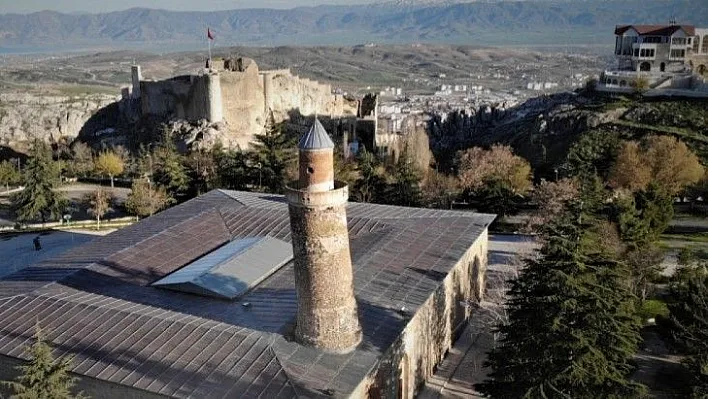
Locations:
(316, 138)
(230, 271)
(97, 303)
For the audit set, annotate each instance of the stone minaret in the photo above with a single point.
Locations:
(327, 311)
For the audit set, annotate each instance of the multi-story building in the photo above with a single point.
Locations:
(698, 57)
(647, 48)
(662, 57)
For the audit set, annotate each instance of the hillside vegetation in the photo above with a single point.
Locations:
(544, 129)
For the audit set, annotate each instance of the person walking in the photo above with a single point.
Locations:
(37, 244)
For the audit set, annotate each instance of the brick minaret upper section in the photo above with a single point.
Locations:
(327, 316)
(316, 160)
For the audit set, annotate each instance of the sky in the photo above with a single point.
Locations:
(94, 6)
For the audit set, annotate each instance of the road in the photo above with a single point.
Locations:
(462, 367)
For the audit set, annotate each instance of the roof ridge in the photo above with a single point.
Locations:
(288, 378)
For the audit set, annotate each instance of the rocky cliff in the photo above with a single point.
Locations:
(25, 117)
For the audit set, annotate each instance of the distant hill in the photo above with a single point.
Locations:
(483, 23)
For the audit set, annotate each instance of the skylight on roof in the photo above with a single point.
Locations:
(231, 270)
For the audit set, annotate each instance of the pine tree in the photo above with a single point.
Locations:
(273, 153)
(571, 333)
(43, 377)
(405, 188)
(233, 171)
(169, 170)
(688, 324)
(370, 185)
(41, 176)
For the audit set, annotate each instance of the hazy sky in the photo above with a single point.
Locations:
(26, 6)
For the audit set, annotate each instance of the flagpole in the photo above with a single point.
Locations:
(209, 43)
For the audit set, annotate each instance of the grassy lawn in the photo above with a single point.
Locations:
(692, 237)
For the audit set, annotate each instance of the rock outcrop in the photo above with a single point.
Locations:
(26, 117)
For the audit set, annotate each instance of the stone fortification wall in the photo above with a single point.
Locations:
(241, 96)
(189, 97)
(285, 92)
(243, 102)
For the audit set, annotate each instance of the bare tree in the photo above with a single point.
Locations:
(98, 204)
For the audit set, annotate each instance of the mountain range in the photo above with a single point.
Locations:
(480, 23)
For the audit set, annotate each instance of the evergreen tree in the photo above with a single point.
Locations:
(43, 377)
(369, 187)
(405, 188)
(273, 153)
(233, 171)
(656, 206)
(41, 176)
(571, 333)
(688, 324)
(169, 170)
(202, 169)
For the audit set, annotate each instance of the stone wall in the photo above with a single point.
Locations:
(431, 331)
(285, 92)
(243, 102)
(241, 96)
(188, 97)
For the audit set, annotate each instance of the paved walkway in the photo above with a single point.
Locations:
(462, 367)
(17, 250)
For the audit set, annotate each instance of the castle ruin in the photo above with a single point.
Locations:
(238, 95)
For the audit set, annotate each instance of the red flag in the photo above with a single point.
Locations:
(210, 36)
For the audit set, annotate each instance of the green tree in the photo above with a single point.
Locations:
(273, 155)
(170, 171)
(571, 330)
(688, 324)
(98, 203)
(145, 200)
(202, 170)
(233, 171)
(40, 178)
(405, 187)
(43, 377)
(370, 185)
(9, 175)
(593, 154)
(110, 164)
(656, 206)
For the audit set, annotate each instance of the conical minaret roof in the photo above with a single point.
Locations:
(316, 138)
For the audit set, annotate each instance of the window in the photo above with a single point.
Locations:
(704, 48)
(231, 270)
(652, 39)
(678, 53)
(678, 40)
(636, 52)
(696, 44)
